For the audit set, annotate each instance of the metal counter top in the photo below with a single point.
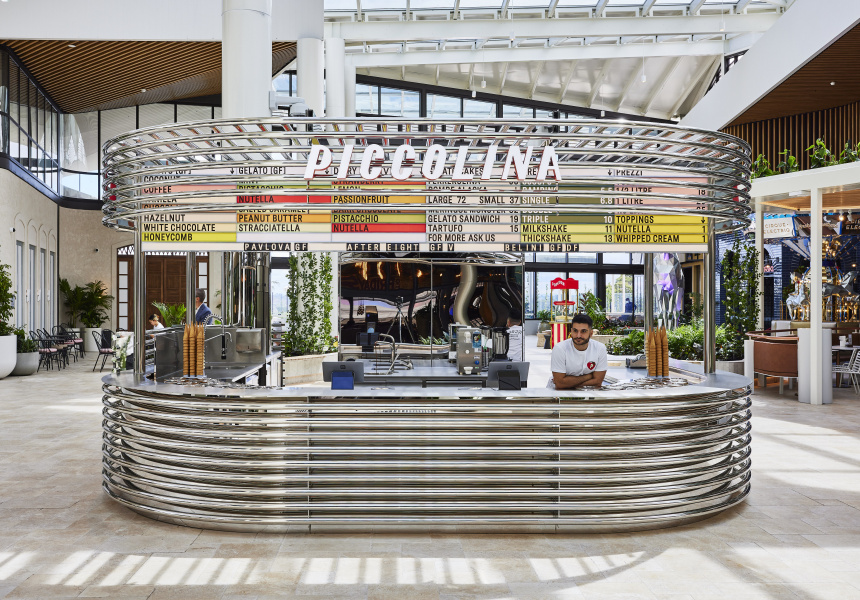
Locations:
(698, 384)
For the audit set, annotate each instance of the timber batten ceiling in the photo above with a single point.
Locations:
(809, 89)
(98, 75)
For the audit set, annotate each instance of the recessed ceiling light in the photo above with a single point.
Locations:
(70, 45)
(143, 90)
(832, 83)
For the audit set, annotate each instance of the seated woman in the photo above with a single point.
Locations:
(155, 322)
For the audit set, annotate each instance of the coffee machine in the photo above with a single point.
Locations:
(469, 351)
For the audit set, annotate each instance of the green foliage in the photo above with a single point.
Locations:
(95, 308)
(632, 343)
(788, 164)
(849, 154)
(590, 305)
(433, 340)
(761, 168)
(25, 344)
(543, 315)
(74, 300)
(819, 155)
(7, 297)
(695, 310)
(171, 314)
(309, 290)
(740, 268)
(686, 342)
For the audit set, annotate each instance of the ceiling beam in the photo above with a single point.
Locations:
(695, 6)
(600, 7)
(495, 55)
(538, 72)
(741, 6)
(634, 76)
(471, 75)
(704, 71)
(661, 83)
(504, 77)
(550, 10)
(595, 87)
(476, 29)
(647, 6)
(567, 81)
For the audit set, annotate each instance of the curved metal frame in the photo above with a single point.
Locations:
(721, 162)
(273, 461)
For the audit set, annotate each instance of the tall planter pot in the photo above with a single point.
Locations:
(8, 354)
(90, 344)
(305, 368)
(27, 363)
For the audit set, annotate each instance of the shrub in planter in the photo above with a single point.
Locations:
(27, 357)
(8, 340)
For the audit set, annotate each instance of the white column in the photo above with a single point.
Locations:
(335, 78)
(310, 73)
(759, 246)
(246, 58)
(816, 347)
(349, 90)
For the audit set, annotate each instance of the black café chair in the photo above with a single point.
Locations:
(77, 341)
(48, 354)
(105, 349)
(63, 345)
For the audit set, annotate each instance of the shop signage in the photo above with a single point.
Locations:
(779, 226)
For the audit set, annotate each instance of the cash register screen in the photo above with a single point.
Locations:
(356, 367)
(495, 367)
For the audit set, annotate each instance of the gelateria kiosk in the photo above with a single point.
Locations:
(638, 454)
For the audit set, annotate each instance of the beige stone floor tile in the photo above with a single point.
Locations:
(129, 592)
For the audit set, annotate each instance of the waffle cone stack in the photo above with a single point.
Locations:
(186, 351)
(200, 339)
(651, 352)
(665, 352)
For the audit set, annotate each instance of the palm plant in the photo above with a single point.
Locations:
(173, 314)
(74, 299)
(96, 304)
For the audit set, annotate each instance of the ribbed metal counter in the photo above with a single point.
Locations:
(309, 458)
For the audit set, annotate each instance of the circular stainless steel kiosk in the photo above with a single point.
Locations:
(542, 460)
(246, 458)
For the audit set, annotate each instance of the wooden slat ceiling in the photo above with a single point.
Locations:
(809, 89)
(102, 75)
(834, 201)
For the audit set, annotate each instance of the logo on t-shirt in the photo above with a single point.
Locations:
(591, 364)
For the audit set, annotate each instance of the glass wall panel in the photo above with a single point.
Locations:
(529, 296)
(366, 99)
(616, 258)
(400, 103)
(442, 107)
(511, 111)
(193, 113)
(477, 109)
(31, 287)
(542, 289)
(551, 257)
(619, 294)
(544, 114)
(52, 287)
(582, 257)
(151, 115)
(587, 282)
(20, 313)
(116, 122)
(43, 287)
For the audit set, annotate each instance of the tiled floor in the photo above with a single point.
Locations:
(798, 535)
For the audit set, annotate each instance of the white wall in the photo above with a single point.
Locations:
(81, 232)
(34, 219)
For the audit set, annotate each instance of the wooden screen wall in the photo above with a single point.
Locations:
(165, 280)
(835, 126)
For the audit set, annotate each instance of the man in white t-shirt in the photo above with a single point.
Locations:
(578, 360)
(515, 336)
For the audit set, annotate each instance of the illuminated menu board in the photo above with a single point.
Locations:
(481, 217)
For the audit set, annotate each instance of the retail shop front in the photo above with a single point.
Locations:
(430, 439)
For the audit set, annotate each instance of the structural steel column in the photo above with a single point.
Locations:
(759, 246)
(139, 299)
(648, 292)
(335, 78)
(349, 90)
(246, 58)
(709, 276)
(310, 73)
(815, 317)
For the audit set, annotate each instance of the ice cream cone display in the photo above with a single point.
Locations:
(201, 339)
(651, 352)
(658, 351)
(665, 352)
(186, 351)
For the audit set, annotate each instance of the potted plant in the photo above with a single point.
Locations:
(8, 339)
(740, 268)
(73, 297)
(173, 314)
(27, 359)
(543, 316)
(95, 308)
(307, 339)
